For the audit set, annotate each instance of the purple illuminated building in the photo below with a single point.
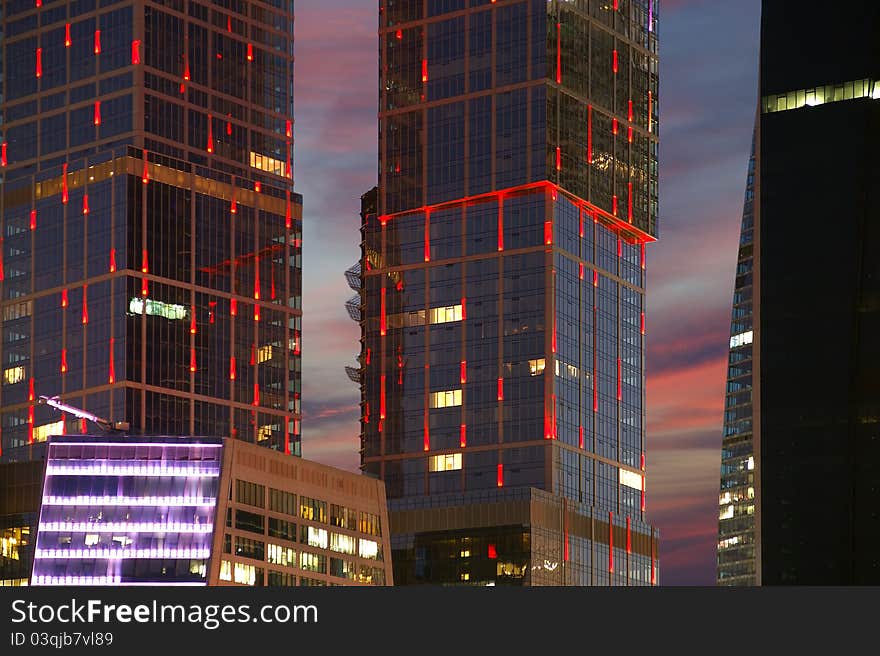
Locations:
(119, 510)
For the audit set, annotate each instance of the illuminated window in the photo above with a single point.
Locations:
(465, 553)
(42, 433)
(12, 540)
(510, 569)
(751, 463)
(17, 310)
(267, 164)
(314, 537)
(279, 555)
(244, 574)
(225, 570)
(313, 562)
(264, 353)
(445, 314)
(726, 512)
(13, 375)
(445, 399)
(158, 309)
(369, 549)
(264, 432)
(820, 95)
(536, 367)
(342, 543)
(465, 576)
(92, 539)
(313, 509)
(631, 479)
(369, 523)
(566, 370)
(445, 462)
(729, 542)
(742, 339)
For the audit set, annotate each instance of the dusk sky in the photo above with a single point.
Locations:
(708, 92)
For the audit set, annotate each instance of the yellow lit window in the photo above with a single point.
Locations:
(11, 541)
(342, 543)
(316, 537)
(264, 433)
(264, 353)
(225, 570)
(42, 433)
(445, 399)
(279, 555)
(13, 375)
(368, 549)
(445, 462)
(465, 576)
(536, 367)
(631, 479)
(465, 553)
(445, 314)
(17, 310)
(245, 574)
(267, 164)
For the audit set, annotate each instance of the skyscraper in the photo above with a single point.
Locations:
(503, 278)
(736, 501)
(150, 234)
(816, 365)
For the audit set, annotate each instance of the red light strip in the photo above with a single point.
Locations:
(642, 257)
(192, 319)
(553, 340)
(145, 287)
(112, 377)
(97, 42)
(3, 160)
(558, 158)
(426, 445)
(558, 53)
(500, 219)
(382, 326)
(424, 70)
(614, 126)
(39, 62)
(629, 200)
(67, 35)
(286, 439)
(31, 425)
(64, 361)
(581, 224)
(64, 298)
(288, 129)
(192, 359)
(619, 382)
(614, 205)
(233, 207)
(548, 232)
(628, 536)
(427, 236)
(33, 219)
(250, 55)
(85, 305)
(233, 307)
(581, 437)
(97, 112)
(64, 183)
(629, 111)
(581, 270)
(145, 176)
(31, 390)
(595, 278)
(643, 323)
(463, 372)
(650, 108)
(500, 389)
(610, 542)
(256, 394)
(619, 248)
(136, 51)
(288, 218)
(614, 65)
(500, 475)
(595, 360)
(85, 203)
(112, 260)
(257, 277)
(210, 145)
(382, 397)
(463, 308)
(232, 368)
(653, 569)
(462, 439)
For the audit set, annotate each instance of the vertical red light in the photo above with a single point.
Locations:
(548, 232)
(629, 111)
(144, 264)
(256, 394)
(250, 54)
(614, 126)
(500, 389)
(64, 298)
(257, 277)
(233, 307)
(426, 439)
(399, 35)
(97, 119)
(653, 569)
(553, 337)
(192, 319)
(3, 160)
(650, 109)
(39, 62)
(462, 438)
(614, 63)
(256, 312)
(463, 376)
(500, 222)
(39, 3)
(210, 144)
(31, 425)
(85, 305)
(500, 475)
(610, 542)
(595, 278)
(382, 397)
(257, 186)
(31, 390)
(629, 134)
(589, 134)
(382, 326)
(288, 217)
(112, 260)
(286, 439)
(581, 223)
(136, 51)
(581, 436)
(33, 219)
(112, 377)
(64, 183)
(581, 270)
(427, 236)
(192, 359)
(463, 308)
(64, 361)
(642, 256)
(288, 129)
(233, 207)
(614, 205)
(229, 128)
(67, 35)
(97, 42)
(628, 536)
(643, 323)
(558, 158)
(558, 53)
(492, 552)
(424, 70)
(145, 287)
(85, 203)
(619, 382)
(619, 248)
(232, 368)
(145, 176)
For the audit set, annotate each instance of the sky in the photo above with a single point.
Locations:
(708, 95)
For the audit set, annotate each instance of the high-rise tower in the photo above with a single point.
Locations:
(150, 234)
(503, 274)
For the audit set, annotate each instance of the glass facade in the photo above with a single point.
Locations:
(501, 287)
(121, 511)
(150, 239)
(736, 502)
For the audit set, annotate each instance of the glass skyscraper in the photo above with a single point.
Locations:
(813, 410)
(149, 233)
(502, 289)
(736, 501)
